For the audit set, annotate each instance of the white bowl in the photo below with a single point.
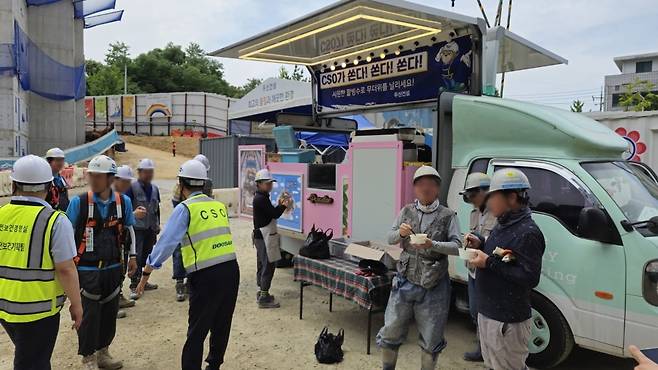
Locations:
(467, 254)
(418, 239)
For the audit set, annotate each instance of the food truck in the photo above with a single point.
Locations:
(599, 285)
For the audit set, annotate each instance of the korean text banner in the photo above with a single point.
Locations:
(413, 76)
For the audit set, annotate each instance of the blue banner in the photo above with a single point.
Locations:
(412, 76)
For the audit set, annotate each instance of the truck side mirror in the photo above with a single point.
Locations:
(593, 224)
(652, 225)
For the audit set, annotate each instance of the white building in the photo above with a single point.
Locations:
(632, 67)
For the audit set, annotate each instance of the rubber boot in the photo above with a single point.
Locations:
(475, 355)
(89, 362)
(428, 361)
(389, 358)
(106, 361)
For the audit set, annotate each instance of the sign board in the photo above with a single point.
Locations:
(252, 160)
(114, 108)
(128, 107)
(100, 108)
(272, 95)
(413, 76)
(289, 186)
(89, 109)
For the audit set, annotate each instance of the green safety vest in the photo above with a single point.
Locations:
(28, 288)
(208, 240)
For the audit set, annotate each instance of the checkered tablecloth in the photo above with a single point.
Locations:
(340, 278)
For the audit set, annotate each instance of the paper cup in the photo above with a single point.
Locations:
(418, 238)
(467, 254)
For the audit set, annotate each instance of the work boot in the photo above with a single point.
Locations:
(475, 355)
(267, 301)
(105, 361)
(389, 358)
(428, 361)
(125, 303)
(150, 286)
(257, 296)
(180, 290)
(121, 314)
(134, 295)
(89, 362)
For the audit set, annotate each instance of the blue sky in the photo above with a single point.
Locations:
(589, 33)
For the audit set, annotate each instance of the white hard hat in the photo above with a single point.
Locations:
(193, 170)
(264, 176)
(203, 159)
(31, 170)
(125, 172)
(476, 180)
(508, 179)
(102, 164)
(146, 164)
(427, 171)
(55, 153)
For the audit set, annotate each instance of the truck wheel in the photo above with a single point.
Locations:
(551, 341)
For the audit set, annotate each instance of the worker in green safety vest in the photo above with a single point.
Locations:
(37, 271)
(200, 224)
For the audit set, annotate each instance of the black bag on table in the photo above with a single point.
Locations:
(316, 245)
(328, 347)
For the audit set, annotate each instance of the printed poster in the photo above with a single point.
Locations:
(289, 186)
(114, 108)
(251, 159)
(129, 107)
(89, 108)
(100, 107)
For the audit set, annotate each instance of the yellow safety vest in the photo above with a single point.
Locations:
(28, 288)
(208, 240)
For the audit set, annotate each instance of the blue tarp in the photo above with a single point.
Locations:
(43, 75)
(97, 20)
(79, 153)
(324, 138)
(84, 8)
(40, 2)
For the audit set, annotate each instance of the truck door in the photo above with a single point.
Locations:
(583, 278)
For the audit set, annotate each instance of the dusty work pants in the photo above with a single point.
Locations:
(264, 268)
(100, 303)
(429, 307)
(213, 293)
(33, 341)
(504, 345)
(144, 242)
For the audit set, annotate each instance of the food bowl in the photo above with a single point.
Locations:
(467, 254)
(418, 239)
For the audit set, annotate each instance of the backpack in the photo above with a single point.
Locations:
(328, 347)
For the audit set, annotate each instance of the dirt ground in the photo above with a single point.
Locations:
(185, 146)
(152, 335)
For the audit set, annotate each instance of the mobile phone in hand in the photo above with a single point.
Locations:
(652, 353)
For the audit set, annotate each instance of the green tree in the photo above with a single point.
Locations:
(117, 54)
(297, 74)
(577, 106)
(639, 96)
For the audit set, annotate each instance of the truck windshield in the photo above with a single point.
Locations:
(629, 186)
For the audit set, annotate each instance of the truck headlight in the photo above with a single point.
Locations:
(650, 283)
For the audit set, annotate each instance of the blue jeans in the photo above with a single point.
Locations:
(179, 269)
(472, 300)
(429, 308)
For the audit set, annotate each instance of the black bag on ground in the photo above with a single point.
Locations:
(328, 347)
(316, 245)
